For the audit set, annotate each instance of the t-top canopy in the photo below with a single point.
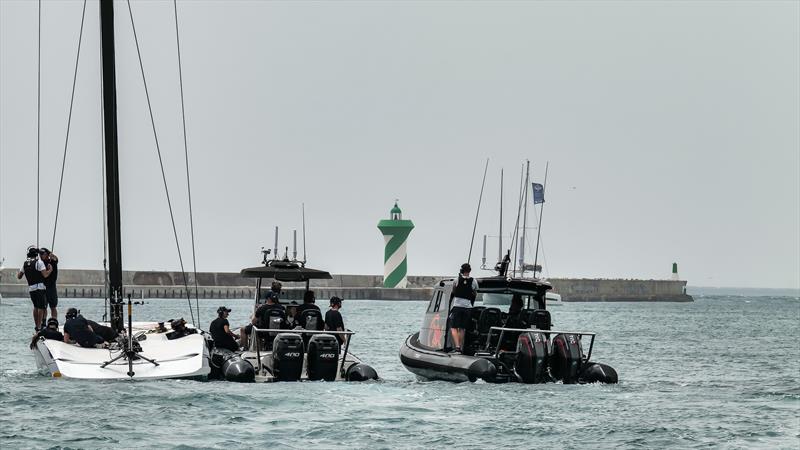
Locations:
(285, 271)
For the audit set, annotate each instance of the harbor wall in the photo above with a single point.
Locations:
(219, 285)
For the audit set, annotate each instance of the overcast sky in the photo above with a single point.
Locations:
(671, 130)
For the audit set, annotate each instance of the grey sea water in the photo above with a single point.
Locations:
(722, 372)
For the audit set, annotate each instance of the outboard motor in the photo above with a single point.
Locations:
(322, 357)
(360, 372)
(565, 362)
(286, 363)
(598, 373)
(531, 363)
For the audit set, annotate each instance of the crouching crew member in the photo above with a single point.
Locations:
(35, 272)
(48, 332)
(179, 329)
(77, 330)
(221, 331)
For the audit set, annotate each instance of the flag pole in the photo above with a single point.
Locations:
(539, 228)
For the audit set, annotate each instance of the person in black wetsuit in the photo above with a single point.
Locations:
(36, 272)
(51, 292)
(465, 290)
(309, 300)
(513, 320)
(77, 330)
(49, 332)
(333, 319)
(107, 333)
(221, 331)
(258, 318)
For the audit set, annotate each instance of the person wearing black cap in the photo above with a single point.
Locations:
(48, 332)
(221, 331)
(51, 293)
(333, 318)
(465, 290)
(35, 272)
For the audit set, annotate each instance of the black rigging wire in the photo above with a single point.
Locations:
(102, 181)
(161, 163)
(186, 155)
(480, 198)
(38, 117)
(69, 123)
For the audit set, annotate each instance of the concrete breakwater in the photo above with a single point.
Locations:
(220, 285)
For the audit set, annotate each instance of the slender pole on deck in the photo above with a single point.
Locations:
(500, 246)
(480, 198)
(539, 229)
(524, 219)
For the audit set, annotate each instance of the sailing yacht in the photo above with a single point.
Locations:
(144, 350)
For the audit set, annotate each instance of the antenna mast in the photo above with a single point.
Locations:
(475, 225)
(524, 219)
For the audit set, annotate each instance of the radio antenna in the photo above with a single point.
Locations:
(480, 198)
(304, 232)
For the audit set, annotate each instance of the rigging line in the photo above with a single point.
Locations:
(514, 244)
(480, 198)
(69, 123)
(161, 163)
(38, 117)
(186, 155)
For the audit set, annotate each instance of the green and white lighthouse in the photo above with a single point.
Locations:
(395, 234)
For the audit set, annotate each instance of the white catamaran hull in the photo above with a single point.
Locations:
(186, 357)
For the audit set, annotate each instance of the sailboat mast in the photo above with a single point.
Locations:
(112, 164)
(524, 220)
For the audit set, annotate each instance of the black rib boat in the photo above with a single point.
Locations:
(499, 348)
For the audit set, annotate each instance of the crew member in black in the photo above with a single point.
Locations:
(513, 320)
(292, 317)
(274, 292)
(48, 332)
(35, 272)
(221, 331)
(333, 319)
(77, 330)
(464, 293)
(308, 303)
(179, 329)
(51, 292)
(107, 333)
(258, 318)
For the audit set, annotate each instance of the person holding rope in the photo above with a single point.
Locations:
(51, 292)
(35, 272)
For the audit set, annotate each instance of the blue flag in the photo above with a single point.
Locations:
(538, 193)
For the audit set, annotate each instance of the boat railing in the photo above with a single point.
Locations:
(502, 330)
(257, 330)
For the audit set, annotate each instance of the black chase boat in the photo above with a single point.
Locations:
(280, 349)
(501, 347)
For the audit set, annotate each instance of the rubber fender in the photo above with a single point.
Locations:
(483, 369)
(361, 372)
(238, 370)
(598, 373)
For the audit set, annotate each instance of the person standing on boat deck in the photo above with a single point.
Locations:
(333, 318)
(464, 292)
(51, 292)
(35, 272)
(309, 300)
(221, 331)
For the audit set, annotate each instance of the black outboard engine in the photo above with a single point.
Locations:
(323, 357)
(531, 363)
(360, 372)
(286, 363)
(565, 362)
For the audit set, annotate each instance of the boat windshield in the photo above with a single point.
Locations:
(504, 299)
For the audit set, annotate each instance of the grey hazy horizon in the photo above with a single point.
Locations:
(671, 129)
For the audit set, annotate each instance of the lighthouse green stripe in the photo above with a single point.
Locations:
(396, 276)
(394, 243)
